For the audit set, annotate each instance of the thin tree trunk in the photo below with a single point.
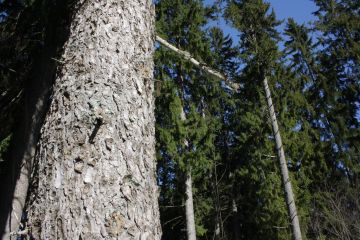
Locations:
(235, 221)
(189, 202)
(218, 233)
(95, 174)
(189, 208)
(290, 200)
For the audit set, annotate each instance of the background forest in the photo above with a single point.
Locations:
(217, 138)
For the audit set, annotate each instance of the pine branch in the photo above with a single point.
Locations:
(186, 55)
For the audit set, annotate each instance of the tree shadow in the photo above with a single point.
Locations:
(54, 18)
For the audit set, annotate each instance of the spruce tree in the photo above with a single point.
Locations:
(338, 84)
(256, 24)
(210, 98)
(185, 139)
(221, 107)
(328, 70)
(334, 94)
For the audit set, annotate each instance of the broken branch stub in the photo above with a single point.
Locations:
(187, 56)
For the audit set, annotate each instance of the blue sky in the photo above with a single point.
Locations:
(300, 10)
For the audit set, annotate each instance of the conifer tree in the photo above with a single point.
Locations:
(185, 140)
(221, 107)
(259, 38)
(215, 143)
(210, 98)
(338, 84)
(329, 70)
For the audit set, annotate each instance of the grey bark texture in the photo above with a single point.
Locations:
(189, 208)
(290, 200)
(95, 162)
(189, 201)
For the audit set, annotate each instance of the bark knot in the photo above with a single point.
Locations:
(78, 165)
(115, 224)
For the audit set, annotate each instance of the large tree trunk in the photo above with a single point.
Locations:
(95, 166)
(290, 200)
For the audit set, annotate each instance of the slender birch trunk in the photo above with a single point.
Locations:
(189, 202)
(189, 208)
(290, 200)
(95, 174)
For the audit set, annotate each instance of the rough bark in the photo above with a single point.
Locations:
(15, 182)
(95, 174)
(290, 200)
